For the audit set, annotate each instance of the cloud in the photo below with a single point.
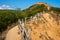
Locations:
(5, 7)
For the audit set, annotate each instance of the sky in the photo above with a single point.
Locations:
(23, 4)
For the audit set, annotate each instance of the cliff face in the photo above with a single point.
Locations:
(46, 27)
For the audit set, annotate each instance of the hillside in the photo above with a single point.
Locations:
(46, 27)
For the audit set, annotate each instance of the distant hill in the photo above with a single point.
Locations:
(40, 7)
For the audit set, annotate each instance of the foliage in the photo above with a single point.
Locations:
(56, 10)
(7, 17)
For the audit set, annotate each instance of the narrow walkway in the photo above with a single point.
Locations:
(13, 34)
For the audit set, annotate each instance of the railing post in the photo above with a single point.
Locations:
(24, 32)
(38, 15)
(25, 20)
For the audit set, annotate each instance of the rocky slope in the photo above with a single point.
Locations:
(47, 27)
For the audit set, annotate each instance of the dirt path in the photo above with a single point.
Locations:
(13, 34)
